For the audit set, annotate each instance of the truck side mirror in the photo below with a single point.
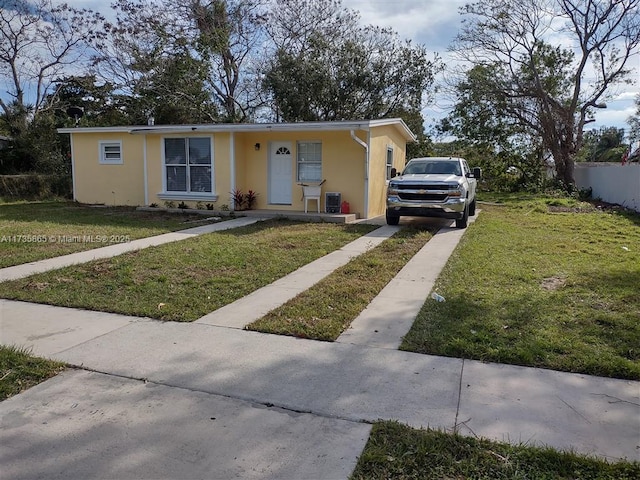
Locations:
(394, 172)
(477, 173)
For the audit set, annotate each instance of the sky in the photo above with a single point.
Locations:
(434, 24)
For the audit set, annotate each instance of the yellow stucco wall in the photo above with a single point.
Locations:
(96, 183)
(343, 167)
(381, 139)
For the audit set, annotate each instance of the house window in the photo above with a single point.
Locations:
(309, 162)
(389, 162)
(188, 165)
(110, 153)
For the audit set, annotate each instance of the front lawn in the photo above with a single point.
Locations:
(19, 370)
(31, 231)
(397, 451)
(546, 283)
(185, 280)
(325, 310)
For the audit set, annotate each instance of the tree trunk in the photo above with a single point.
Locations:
(568, 179)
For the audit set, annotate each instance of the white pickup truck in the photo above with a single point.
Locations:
(433, 187)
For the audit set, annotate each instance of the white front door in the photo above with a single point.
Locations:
(280, 173)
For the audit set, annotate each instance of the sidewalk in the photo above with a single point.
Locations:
(208, 400)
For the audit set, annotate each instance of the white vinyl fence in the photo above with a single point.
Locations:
(611, 182)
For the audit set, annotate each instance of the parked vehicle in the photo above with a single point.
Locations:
(433, 187)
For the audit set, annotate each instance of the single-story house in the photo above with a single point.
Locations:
(145, 165)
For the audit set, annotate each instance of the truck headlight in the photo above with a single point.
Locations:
(392, 189)
(458, 192)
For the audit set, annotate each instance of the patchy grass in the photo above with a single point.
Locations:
(399, 452)
(325, 310)
(532, 285)
(31, 231)
(185, 280)
(19, 370)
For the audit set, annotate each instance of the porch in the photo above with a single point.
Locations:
(293, 215)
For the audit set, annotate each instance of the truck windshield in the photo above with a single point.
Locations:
(444, 167)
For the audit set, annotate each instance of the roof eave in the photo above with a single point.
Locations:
(365, 125)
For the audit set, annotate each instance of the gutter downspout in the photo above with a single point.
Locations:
(73, 169)
(232, 159)
(146, 179)
(366, 169)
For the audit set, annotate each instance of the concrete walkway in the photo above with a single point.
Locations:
(262, 301)
(202, 400)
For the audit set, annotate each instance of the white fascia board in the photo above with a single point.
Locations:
(365, 125)
(95, 130)
(252, 127)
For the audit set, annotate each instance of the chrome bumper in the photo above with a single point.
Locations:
(452, 208)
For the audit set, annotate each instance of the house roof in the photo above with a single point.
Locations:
(365, 125)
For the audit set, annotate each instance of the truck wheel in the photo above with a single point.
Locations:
(462, 222)
(472, 208)
(392, 219)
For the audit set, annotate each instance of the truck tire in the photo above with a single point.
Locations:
(392, 219)
(472, 208)
(462, 222)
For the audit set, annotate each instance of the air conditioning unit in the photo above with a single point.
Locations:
(332, 202)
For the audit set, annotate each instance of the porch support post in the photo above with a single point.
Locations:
(232, 170)
(145, 175)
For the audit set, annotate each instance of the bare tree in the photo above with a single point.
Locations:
(229, 36)
(553, 61)
(40, 41)
(292, 23)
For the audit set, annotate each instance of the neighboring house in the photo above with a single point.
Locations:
(143, 165)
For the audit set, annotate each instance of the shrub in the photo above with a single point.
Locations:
(35, 187)
(237, 196)
(250, 199)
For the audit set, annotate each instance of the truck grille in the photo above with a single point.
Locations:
(431, 197)
(421, 192)
(425, 186)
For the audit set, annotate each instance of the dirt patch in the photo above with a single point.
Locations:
(552, 283)
(590, 207)
(40, 286)
(580, 209)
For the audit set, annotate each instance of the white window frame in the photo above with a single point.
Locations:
(389, 161)
(300, 161)
(102, 152)
(187, 195)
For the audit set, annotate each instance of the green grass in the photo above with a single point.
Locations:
(19, 370)
(399, 452)
(31, 231)
(534, 283)
(185, 280)
(325, 310)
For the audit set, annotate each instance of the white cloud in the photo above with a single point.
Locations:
(433, 23)
(628, 95)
